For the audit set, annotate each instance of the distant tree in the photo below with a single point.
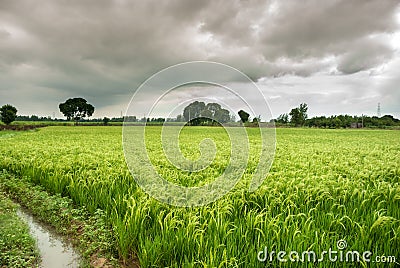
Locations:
(303, 111)
(207, 116)
(106, 120)
(256, 119)
(8, 113)
(222, 116)
(213, 108)
(244, 117)
(128, 118)
(76, 109)
(192, 112)
(283, 119)
(336, 122)
(199, 113)
(159, 119)
(295, 116)
(347, 121)
(179, 118)
(299, 115)
(387, 120)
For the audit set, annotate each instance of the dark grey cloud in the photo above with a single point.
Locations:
(319, 28)
(103, 50)
(366, 54)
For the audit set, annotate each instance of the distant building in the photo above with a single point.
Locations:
(356, 125)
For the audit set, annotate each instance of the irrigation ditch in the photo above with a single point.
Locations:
(55, 251)
(66, 235)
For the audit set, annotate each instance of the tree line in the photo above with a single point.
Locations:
(78, 110)
(298, 117)
(200, 113)
(348, 121)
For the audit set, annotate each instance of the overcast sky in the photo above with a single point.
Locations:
(337, 56)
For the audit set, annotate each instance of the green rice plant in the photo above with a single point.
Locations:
(324, 186)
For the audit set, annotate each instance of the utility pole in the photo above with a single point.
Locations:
(362, 121)
(379, 109)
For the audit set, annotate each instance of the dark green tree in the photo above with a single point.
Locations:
(283, 119)
(199, 113)
(244, 116)
(348, 121)
(106, 120)
(192, 112)
(76, 109)
(8, 113)
(295, 116)
(303, 111)
(222, 116)
(299, 115)
(257, 119)
(207, 114)
(213, 108)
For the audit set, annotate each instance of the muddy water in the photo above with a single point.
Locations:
(54, 251)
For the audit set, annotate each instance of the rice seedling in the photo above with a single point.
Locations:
(324, 186)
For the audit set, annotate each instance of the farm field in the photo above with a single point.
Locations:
(324, 186)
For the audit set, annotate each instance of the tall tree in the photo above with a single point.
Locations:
(299, 115)
(8, 113)
(106, 120)
(199, 113)
(213, 108)
(303, 111)
(222, 116)
(193, 111)
(295, 116)
(76, 109)
(283, 119)
(244, 116)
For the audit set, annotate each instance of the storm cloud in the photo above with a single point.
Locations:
(103, 50)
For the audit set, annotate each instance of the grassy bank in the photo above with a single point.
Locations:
(18, 248)
(89, 232)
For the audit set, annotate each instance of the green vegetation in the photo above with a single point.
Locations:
(346, 121)
(106, 120)
(87, 231)
(76, 109)
(200, 113)
(244, 116)
(8, 113)
(18, 248)
(298, 115)
(325, 185)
